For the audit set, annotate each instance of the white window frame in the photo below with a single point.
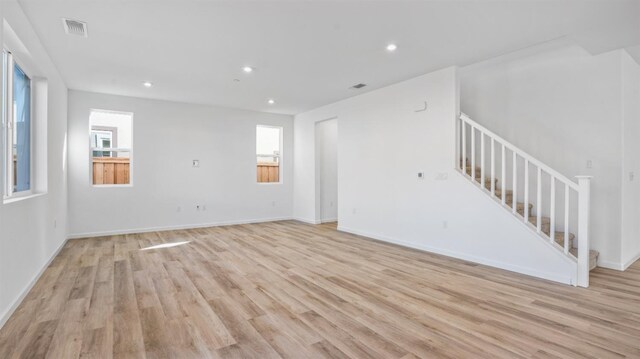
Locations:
(9, 62)
(111, 149)
(279, 156)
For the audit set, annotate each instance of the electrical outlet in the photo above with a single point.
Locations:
(631, 176)
(273, 203)
(196, 163)
(589, 164)
(445, 224)
(353, 211)
(204, 208)
(179, 209)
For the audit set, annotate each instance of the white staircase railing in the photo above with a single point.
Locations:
(548, 183)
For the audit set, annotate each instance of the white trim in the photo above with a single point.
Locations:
(111, 185)
(617, 265)
(610, 265)
(467, 257)
(175, 227)
(329, 220)
(305, 220)
(21, 196)
(6, 315)
(632, 260)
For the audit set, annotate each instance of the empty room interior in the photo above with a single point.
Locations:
(320, 179)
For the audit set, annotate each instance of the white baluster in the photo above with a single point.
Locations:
(584, 199)
(493, 168)
(526, 190)
(515, 183)
(552, 211)
(504, 176)
(482, 161)
(566, 218)
(538, 202)
(464, 147)
(473, 153)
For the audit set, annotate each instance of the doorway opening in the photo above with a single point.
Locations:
(326, 133)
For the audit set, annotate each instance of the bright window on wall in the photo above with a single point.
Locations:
(16, 114)
(269, 153)
(111, 147)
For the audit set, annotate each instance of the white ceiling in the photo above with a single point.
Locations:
(306, 54)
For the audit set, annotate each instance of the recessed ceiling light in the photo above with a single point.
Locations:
(147, 84)
(247, 69)
(271, 101)
(392, 47)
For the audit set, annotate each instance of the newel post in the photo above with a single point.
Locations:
(584, 208)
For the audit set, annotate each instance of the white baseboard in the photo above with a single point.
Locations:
(6, 315)
(175, 227)
(628, 263)
(309, 221)
(610, 265)
(617, 265)
(464, 256)
(329, 220)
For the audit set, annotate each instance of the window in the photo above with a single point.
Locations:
(111, 147)
(16, 114)
(269, 153)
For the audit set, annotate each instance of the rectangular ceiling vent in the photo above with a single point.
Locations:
(358, 86)
(75, 27)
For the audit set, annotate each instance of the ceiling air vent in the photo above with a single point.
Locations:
(74, 27)
(358, 86)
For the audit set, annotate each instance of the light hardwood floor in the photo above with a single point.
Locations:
(291, 290)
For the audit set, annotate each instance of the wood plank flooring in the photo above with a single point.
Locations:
(292, 290)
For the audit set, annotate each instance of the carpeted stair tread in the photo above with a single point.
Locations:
(487, 180)
(509, 194)
(560, 239)
(534, 220)
(593, 257)
(520, 206)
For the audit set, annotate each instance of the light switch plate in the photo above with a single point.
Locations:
(196, 163)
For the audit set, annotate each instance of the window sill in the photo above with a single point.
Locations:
(111, 185)
(19, 198)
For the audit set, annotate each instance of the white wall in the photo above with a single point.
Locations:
(33, 229)
(327, 167)
(382, 144)
(563, 106)
(167, 136)
(631, 160)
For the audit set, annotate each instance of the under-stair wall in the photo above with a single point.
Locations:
(385, 138)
